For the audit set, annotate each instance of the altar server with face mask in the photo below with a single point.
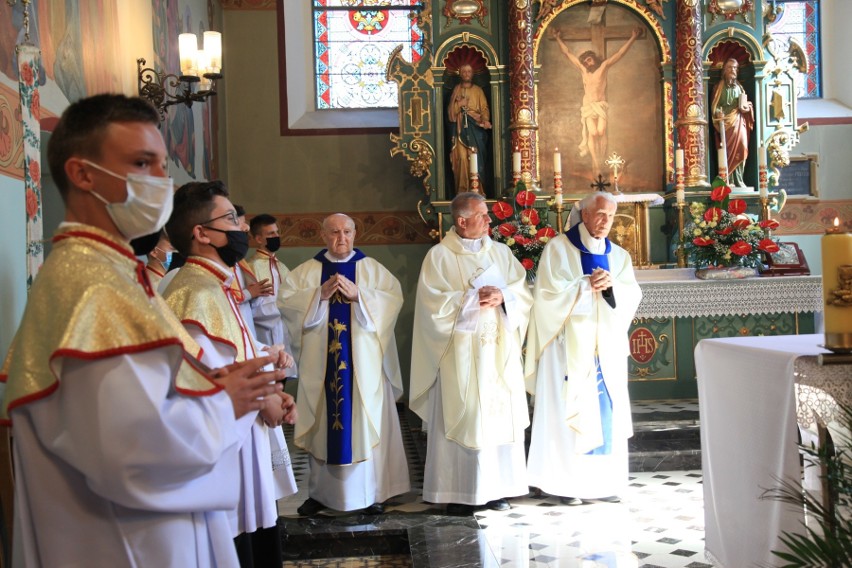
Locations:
(125, 448)
(204, 227)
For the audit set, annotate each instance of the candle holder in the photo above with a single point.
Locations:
(723, 173)
(558, 205)
(680, 203)
(475, 187)
(681, 253)
(516, 177)
(764, 211)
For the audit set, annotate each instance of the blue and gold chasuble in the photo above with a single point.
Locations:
(590, 261)
(339, 366)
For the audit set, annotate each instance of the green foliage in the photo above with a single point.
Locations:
(828, 545)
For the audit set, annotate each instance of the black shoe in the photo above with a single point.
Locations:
(375, 509)
(498, 505)
(570, 501)
(459, 510)
(310, 508)
(610, 499)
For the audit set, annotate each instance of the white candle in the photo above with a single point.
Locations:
(723, 159)
(559, 197)
(516, 162)
(680, 194)
(474, 164)
(679, 160)
(761, 157)
(557, 161)
(763, 191)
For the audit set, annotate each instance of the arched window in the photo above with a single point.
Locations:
(800, 20)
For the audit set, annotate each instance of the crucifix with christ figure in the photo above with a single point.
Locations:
(594, 68)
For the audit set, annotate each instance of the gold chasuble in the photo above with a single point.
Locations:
(91, 300)
(200, 294)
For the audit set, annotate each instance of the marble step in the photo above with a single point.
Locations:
(665, 446)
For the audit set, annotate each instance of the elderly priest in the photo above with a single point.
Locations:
(585, 298)
(341, 307)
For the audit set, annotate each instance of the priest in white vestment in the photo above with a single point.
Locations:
(585, 298)
(466, 369)
(125, 450)
(341, 307)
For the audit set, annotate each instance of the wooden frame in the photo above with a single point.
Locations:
(799, 179)
(788, 261)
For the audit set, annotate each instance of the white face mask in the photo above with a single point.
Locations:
(147, 208)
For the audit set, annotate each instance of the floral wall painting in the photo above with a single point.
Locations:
(629, 88)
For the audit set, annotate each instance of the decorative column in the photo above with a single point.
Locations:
(522, 123)
(691, 123)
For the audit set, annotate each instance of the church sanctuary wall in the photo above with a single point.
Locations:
(300, 178)
(803, 220)
(87, 47)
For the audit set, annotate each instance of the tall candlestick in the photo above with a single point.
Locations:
(516, 162)
(837, 288)
(557, 161)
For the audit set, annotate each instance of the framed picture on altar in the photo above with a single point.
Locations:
(799, 178)
(788, 261)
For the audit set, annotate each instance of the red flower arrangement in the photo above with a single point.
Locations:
(521, 228)
(721, 233)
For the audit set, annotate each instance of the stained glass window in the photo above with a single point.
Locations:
(800, 21)
(353, 40)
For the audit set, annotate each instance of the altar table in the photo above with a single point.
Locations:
(747, 393)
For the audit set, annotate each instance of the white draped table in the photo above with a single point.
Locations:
(747, 395)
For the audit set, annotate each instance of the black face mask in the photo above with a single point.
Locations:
(273, 244)
(178, 260)
(145, 244)
(235, 250)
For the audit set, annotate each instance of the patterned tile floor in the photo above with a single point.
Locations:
(658, 524)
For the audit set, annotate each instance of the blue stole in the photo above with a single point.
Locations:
(339, 367)
(590, 261)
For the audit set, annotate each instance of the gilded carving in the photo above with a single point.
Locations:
(730, 9)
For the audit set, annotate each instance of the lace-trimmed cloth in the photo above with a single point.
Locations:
(820, 390)
(696, 298)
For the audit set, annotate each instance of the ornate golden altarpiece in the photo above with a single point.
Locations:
(658, 98)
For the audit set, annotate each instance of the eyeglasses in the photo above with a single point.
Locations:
(230, 215)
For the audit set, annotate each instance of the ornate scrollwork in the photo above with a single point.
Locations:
(164, 90)
(730, 9)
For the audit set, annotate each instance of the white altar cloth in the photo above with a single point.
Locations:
(747, 403)
(683, 295)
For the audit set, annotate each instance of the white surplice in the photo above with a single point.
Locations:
(127, 500)
(260, 485)
(569, 324)
(380, 469)
(466, 372)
